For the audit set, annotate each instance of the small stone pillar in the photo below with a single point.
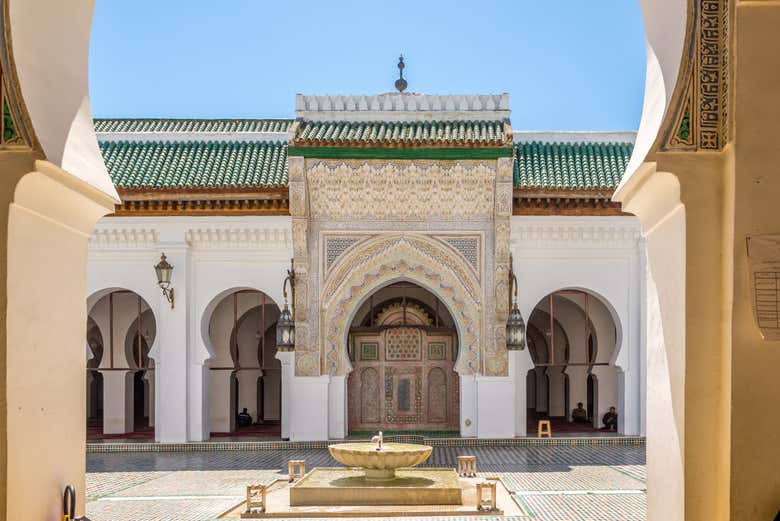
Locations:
(486, 496)
(296, 468)
(255, 501)
(467, 466)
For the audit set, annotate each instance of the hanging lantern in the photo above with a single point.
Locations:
(285, 327)
(515, 326)
(285, 330)
(515, 330)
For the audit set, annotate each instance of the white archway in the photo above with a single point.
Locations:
(124, 375)
(231, 382)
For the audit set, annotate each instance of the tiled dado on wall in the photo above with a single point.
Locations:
(208, 446)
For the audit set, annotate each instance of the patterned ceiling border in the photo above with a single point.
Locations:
(700, 119)
(16, 129)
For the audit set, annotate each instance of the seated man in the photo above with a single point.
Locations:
(610, 420)
(244, 418)
(579, 415)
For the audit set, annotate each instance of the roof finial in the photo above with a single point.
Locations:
(400, 83)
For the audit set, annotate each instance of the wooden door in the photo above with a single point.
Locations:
(403, 379)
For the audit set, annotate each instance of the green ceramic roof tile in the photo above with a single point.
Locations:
(402, 133)
(570, 166)
(192, 125)
(160, 165)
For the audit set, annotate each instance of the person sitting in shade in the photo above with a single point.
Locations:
(579, 415)
(244, 418)
(610, 420)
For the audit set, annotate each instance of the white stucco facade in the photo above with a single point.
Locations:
(213, 257)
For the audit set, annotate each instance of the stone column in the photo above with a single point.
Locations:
(149, 406)
(272, 394)
(607, 395)
(578, 387)
(287, 358)
(91, 399)
(247, 390)
(222, 417)
(170, 362)
(519, 364)
(118, 401)
(557, 392)
(542, 390)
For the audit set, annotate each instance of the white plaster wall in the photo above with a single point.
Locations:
(598, 254)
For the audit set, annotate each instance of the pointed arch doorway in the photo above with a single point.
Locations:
(403, 346)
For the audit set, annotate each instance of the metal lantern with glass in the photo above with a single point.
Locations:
(164, 271)
(285, 327)
(515, 326)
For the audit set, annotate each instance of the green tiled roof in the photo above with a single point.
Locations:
(195, 165)
(570, 166)
(403, 134)
(192, 125)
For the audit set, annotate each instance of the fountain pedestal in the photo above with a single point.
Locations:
(377, 475)
(350, 487)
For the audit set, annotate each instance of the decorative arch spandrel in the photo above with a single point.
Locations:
(384, 260)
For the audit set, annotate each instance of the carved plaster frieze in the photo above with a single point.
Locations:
(300, 230)
(409, 190)
(297, 191)
(505, 171)
(571, 235)
(240, 238)
(301, 293)
(383, 260)
(296, 169)
(502, 238)
(502, 292)
(496, 359)
(503, 199)
(129, 238)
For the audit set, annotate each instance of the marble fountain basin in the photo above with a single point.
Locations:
(380, 463)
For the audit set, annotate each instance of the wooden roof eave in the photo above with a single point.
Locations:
(567, 193)
(200, 194)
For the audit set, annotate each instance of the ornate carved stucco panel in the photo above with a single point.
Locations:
(383, 260)
(371, 190)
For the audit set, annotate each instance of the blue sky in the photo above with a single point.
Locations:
(567, 64)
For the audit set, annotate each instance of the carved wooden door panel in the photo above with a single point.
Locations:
(403, 379)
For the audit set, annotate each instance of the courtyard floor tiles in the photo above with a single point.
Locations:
(552, 483)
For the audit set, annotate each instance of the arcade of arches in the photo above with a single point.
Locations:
(243, 371)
